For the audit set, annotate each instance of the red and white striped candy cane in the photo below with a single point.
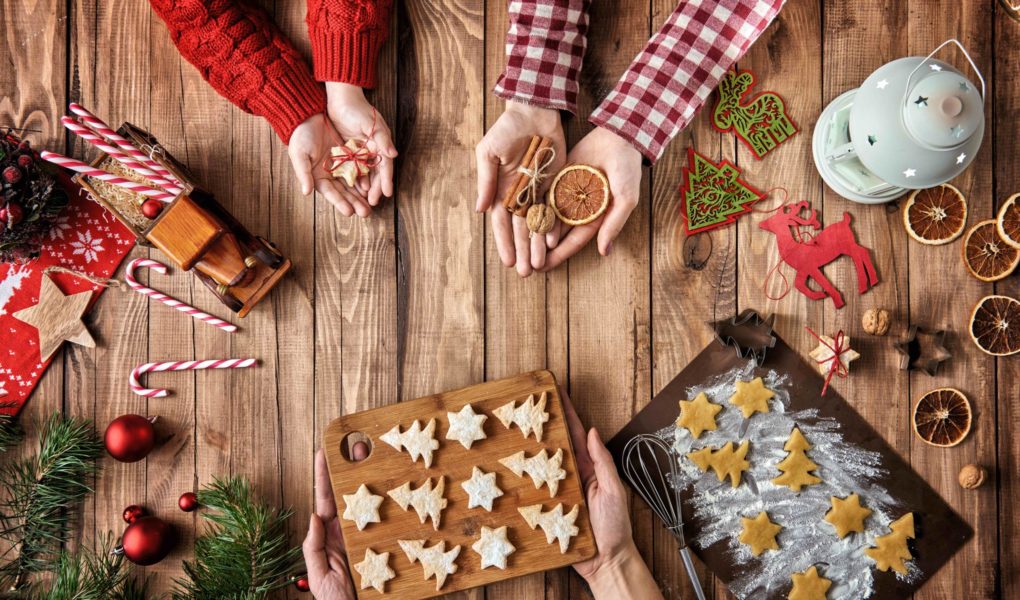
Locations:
(86, 169)
(187, 365)
(129, 277)
(100, 142)
(106, 131)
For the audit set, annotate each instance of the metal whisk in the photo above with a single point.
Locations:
(653, 471)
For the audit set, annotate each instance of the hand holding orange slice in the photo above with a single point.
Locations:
(579, 194)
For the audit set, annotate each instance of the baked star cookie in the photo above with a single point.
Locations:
(809, 585)
(493, 547)
(375, 570)
(726, 462)
(435, 561)
(481, 489)
(362, 507)
(891, 550)
(759, 533)
(555, 524)
(530, 416)
(698, 415)
(796, 467)
(751, 397)
(426, 501)
(415, 441)
(540, 467)
(466, 426)
(847, 515)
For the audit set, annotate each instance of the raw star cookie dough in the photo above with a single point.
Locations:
(698, 415)
(759, 533)
(809, 585)
(847, 515)
(751, 397)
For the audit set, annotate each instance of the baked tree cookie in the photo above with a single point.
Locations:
(726, 462)
(375, 571)
(541, 468)
(759, 533)
(751, 397)
(465, 426)
(435, 561)
(891, 550)
(698, 415)
(493, 547)
(481, 489)
(555, 524)
(530, 416)
(809, 585)
(427, 501)
(847, 515)
(796, 467)
(415, 441)
(362, 507)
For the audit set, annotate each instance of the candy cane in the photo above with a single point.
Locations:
(187, 365)
(80, 167)
(100, 142)
(129, 277)
(106, 131)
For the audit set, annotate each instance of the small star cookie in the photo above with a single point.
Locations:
(891, 550)
(698, 415)
(435, 561)
(375, 570)
(416, 441)
(809, 585)
(529, 416)
(847, 515)
(481, 489)
(759, 533)
(751, 397)
(725, 461)
(493, 547)
(796, 467)
(554, 523)
(466, 426)
(824, 354)
(362, 507)
(540, 467)
(426, 501)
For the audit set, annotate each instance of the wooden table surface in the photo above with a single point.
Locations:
(414, 300)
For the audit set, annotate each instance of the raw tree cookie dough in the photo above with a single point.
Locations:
(891, 550)
(465, 426)
(554, 523)
(362, 507)
(481, 489)
(698, 415)
(847, 515)
(759, 533)
(540, 467)
(426, 501)
(796, 467)
(809, 585)
(435, 561)
(493, 547)
(529, 416)
(725, 461)
(415, 441)
(375, 570)
(751, 397)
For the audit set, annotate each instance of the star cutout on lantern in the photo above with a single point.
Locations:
(962, 157)
(58, 318)
(934, 67)
(921, 101)
(956, 131)
(964, 87)
(923, 349)
(882, 84)
(872, 140)
(910, 172)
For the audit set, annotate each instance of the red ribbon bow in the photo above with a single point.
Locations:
(836, 365)
(363, 157)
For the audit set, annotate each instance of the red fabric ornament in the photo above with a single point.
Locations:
(188, 501)
(133, 513)
(301, 583)
(147, 541)
(759, 121)
(713, 195)
(151, 208)
(130, 438)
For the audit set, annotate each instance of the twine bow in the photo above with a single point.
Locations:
(362, 157)
(836, 365)
(535, 175)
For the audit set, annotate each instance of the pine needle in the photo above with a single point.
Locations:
(10, 432)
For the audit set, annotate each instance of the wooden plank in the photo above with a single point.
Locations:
(971, 572)
(387, 468)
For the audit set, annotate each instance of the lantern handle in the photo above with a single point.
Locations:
(906, 91)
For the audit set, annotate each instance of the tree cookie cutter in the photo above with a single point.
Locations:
(748, 333)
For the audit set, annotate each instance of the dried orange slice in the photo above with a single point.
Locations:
(987, 255)
(1008, 222)
(579, 194)
(995, 325)
(935, 215)
(942, 417)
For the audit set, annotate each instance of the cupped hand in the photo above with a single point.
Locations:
(323, 548)
(309, 144)
(498, 155)
(355, 118)
(621, 162)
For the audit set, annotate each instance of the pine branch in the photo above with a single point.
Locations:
(89, 575)
(10, 432)
(244, 555)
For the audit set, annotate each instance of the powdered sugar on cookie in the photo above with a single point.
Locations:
(540, 467)
(555, 524)
(481, 489)
(426, 501)
(435, 561)
(415, 441)
(493, 547)
(530, 416)
(362, 507)
(466, 426)
(375, 570)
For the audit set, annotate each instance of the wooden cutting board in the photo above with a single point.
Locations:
(386, 468)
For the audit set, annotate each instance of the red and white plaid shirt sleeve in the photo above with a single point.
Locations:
(544, 50)
(680, 66)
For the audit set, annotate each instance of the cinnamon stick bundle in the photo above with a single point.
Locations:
(524, 191)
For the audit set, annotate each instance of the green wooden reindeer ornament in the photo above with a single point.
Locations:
(760, 122)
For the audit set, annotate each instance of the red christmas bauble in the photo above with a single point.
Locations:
(188, 501)
(129, 438)
(12, 214)
(24, 160)
(12, 174)
(301, 583)
(151, 208)
(147, 541)
(133, 513)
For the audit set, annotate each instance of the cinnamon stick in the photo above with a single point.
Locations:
(521, 180)
(520, 198)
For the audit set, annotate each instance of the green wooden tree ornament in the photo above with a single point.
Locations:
(713, 195)
(760, 122)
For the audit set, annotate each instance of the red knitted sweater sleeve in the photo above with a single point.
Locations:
(346, 38)
(246, 58)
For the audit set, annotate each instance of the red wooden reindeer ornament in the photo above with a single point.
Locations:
(809, 255)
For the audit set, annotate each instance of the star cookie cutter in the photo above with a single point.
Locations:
(918, 355)
(748, 333)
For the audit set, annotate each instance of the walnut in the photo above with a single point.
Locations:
(972, 476)
(876, 321)
(541, 218)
